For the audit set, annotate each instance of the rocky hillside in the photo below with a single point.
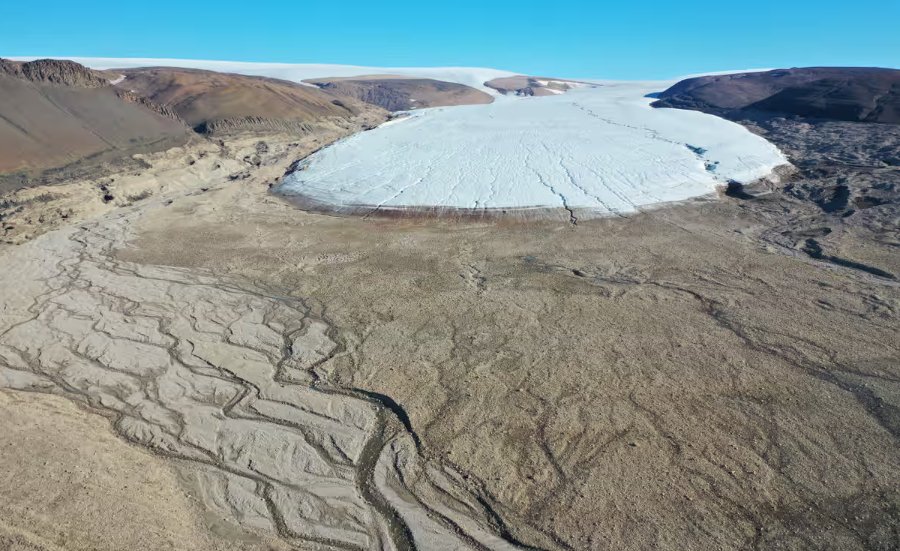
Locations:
(213, 103)
(54, 113)
(825, 93)
(53, 71)
(403, 94)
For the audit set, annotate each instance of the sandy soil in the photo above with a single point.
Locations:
(667, 380)
(69, 483)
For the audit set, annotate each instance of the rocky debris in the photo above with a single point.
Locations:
(840, 164)
(240, 175)
(821, 146)
(53, 71)
(847, 182)
(340, 104)
(830, 93)
(106, 193)
(847, 178)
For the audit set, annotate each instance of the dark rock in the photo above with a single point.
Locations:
(735, 190)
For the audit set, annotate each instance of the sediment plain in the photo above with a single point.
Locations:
(657, 380)
(241, 373)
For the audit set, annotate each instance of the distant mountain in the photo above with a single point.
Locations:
(56, 112)
(831, 93)
(212, 102)
(400, 93)
(522, 85)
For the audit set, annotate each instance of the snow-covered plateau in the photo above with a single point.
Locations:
(598, 149)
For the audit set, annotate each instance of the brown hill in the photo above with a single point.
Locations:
(831, 93)
(213, 102)
(53, 113)
(403, 94)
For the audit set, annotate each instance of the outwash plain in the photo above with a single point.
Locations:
(190, 361)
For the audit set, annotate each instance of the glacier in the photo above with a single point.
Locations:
(601, 150)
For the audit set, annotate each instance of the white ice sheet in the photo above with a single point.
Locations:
(603, 149)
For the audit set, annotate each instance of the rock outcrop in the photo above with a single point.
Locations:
(131, 97)
(53, 71)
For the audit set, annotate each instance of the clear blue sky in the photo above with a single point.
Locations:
(622, 39)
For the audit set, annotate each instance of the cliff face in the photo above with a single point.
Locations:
(53, 71)
(830, 93)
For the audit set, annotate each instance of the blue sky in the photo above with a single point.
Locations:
(623, 39)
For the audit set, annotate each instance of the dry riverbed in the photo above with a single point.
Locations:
(673, 379)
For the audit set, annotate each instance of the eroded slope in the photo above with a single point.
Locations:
(220, 102)
(54, 113)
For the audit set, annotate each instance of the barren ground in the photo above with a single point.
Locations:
(676, 379)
